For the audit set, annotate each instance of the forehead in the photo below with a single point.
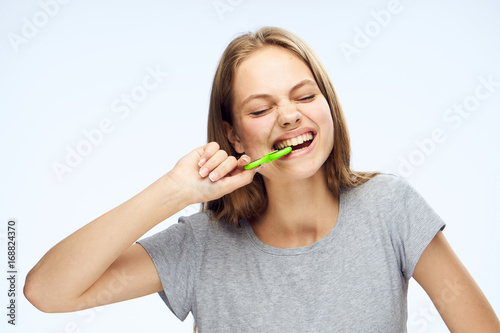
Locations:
(270, 70)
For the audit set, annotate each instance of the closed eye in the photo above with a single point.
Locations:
(307, 98)
(257, 113)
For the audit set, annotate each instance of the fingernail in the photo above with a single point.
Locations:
(214, 176)
(260, 167)
(202, 162)
(203, 172)
(245, 159)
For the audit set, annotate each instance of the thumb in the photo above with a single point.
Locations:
(243, 160)
(238, 180)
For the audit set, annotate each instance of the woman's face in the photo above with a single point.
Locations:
(277, 104)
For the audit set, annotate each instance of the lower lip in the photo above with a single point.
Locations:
(300, 153)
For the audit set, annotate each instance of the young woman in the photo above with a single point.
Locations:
(303, 244)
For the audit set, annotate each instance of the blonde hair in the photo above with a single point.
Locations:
(250, 201)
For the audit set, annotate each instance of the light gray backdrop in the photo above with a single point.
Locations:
(99, 99)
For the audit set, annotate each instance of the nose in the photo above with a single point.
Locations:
(288, 115)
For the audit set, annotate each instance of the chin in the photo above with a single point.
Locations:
(309, 173)
(297, 172)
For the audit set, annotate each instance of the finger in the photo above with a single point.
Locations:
(223, 169)
(243, 160)
(229, 184)
(208, 151)
(213, 162)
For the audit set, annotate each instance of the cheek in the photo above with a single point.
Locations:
(319, 112)
(323, 117)
(256, 136)
(328, 127)
(325, 113)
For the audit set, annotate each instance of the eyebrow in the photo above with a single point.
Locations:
(295, 87)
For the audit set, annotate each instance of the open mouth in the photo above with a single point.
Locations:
(298, 143)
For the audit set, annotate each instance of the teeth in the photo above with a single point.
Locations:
(294, 141)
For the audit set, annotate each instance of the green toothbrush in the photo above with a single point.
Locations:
(269, 158)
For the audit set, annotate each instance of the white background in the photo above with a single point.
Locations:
(65, 75)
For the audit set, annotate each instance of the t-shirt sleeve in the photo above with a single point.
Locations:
(414, 224)
(173, 253)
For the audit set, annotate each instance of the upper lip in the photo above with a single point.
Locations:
(293, 134)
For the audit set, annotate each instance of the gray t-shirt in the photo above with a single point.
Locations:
(355, 279)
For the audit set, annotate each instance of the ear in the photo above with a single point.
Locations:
(233, 137)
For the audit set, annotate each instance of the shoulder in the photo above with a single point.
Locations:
(197, 220)
(382, 185)
(204, 228)
(197, 225)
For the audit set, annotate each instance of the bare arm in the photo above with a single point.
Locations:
(457, 297)
(98, 264)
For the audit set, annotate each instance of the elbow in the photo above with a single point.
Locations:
(32, 291)
(38, 296)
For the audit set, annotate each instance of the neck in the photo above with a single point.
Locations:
(299, 213)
